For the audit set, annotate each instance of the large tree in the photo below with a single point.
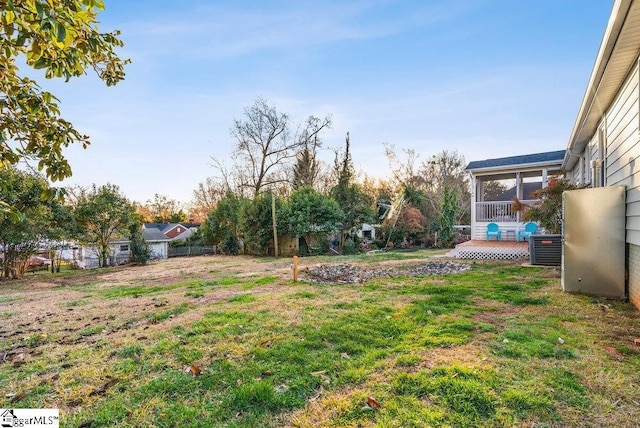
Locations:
(22, 235)
(206, 196)
(311, 215)
(354, 202)
(404, 169)
(222, 225)
(61, 38)
(445, 171)
(256, 222)
(162, 209)
(102, 215)
(266, 148)
(307, 166)
(262, 144)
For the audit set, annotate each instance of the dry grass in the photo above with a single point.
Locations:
(123, 343)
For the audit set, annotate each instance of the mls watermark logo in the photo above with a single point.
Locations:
(31, 418)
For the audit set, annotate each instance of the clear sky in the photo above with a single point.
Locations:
(489, 78)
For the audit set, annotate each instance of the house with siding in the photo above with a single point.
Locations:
(174, 231)
(87, 257)
(604, 146)
(526, 172)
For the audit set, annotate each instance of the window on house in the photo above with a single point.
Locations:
(602, 157)
(586, 165)
(124, 247)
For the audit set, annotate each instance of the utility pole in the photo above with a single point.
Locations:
(273, 218)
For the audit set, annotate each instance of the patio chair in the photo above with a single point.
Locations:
(529, 229)
(493, 230)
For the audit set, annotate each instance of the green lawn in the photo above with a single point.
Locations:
(235, 343)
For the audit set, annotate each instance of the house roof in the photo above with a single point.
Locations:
(153, 234)
(165, 227)
(616, 57)
(555, 157)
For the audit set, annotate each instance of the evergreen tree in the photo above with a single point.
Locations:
(140, 251)
(305, 171)
(354, 202)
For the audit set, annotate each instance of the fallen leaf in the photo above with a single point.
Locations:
(265, 344)
(196, 370)
(636, 342)
(373, 403)
(345, 355)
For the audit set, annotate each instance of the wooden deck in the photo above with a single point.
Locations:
(493, 250)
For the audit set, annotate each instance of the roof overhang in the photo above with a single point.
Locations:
(533, 169)
(618, 54)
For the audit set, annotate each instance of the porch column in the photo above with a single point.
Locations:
(518, 192)
(544, 178)
(474, 192)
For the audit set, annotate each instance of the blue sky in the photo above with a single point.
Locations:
(489, 78)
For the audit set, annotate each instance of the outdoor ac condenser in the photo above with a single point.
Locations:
(545, 250)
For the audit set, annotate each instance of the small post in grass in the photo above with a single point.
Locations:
(295, 268)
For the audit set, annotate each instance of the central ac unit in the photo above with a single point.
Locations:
(545, 250)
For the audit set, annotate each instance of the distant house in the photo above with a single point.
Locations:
(87, 257)
(174, 231)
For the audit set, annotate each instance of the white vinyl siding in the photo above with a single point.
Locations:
(623, 151)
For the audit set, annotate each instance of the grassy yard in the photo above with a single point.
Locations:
(233, 342)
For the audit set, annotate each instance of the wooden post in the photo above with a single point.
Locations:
(295, 268)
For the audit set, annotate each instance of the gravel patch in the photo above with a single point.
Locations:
(350, 274)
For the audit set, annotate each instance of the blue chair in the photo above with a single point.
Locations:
(493, 230)
(529, 229)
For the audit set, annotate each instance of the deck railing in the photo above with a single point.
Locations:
(501, 211)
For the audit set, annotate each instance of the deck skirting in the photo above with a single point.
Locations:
(490, 250)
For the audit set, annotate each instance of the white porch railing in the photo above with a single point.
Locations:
(501, 211)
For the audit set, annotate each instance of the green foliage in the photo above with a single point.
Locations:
(311, 215)
(260, 358)
(62, 39)
(31, 219)
(140, 251)
(354, 202)
(221, 226)
(548, 211)
(448, 215)
(444, 176)
(161, 209)
(103, 214)
(256, 222)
